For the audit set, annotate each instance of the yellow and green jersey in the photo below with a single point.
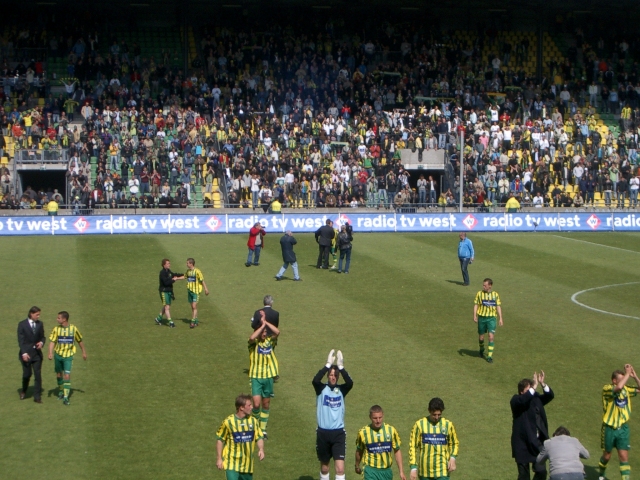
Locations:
(616, 406)
(431, 447)
(378, 446)
(487, 303)
(262, 358)
(64, 338)
(194, 280)
(239, 436)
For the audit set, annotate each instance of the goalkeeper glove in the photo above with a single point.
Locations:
(331, 358)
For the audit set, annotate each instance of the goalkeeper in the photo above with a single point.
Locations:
(331, 439)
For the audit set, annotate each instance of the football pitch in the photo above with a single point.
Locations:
(149, 399)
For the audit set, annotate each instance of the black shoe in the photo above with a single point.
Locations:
(264, 435)
(22, 395)
(297, 279)
(247, 264)
(489, 359)
(339, 271)
(172, 325)
(278, 278)
(345, 272)
(256, 264)
(37, 400)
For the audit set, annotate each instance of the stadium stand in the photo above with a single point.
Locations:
(320, 117)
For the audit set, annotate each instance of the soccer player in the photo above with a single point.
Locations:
(263, 368)
(167, 279)
(237, 439)
(485, 308)
(195, 284)
(616, 405)
(376, 445)
(63, 339)
(434, 445)
(331, 440)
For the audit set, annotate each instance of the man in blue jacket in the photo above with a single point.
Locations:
(465, 255)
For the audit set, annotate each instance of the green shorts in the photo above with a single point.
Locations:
(192, 297)
(62, 364)
(373, 473)
(617, 438)
(262, 387)
(486, 325)
(165, 298)
(233, 475)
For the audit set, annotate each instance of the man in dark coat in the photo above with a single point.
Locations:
(530, 428)
(270, 315)
(324, 237)
(288, 256)
(31, 340)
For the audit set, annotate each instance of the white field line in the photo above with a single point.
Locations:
(577, 294)
(598, 244)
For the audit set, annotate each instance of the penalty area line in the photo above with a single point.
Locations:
(577, 294)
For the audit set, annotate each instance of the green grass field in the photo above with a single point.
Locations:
(149, 399)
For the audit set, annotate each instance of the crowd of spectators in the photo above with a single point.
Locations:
(320, 117)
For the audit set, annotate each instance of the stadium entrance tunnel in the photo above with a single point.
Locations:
(44, 180)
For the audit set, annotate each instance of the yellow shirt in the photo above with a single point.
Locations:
(276, 206)
(52, 206)
(512, 203)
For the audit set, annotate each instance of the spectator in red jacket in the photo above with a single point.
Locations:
(255, 244)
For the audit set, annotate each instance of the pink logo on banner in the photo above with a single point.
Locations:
(470, 222)
(214, 223)
(342, 220)
(593, 221)
(81, 224)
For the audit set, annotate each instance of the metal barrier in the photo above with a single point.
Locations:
(41, 156)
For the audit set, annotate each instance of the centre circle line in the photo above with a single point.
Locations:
(575, 295)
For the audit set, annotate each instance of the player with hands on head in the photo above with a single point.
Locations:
(330, 410)
(263, 369)
(616, 406)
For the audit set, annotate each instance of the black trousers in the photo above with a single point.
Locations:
(323, 256)
(34, 364)
(539, 470)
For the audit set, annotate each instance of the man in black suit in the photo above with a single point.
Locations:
(530, 428)
(324, 237)
(270, 315)
(31, 340)
(288, 256)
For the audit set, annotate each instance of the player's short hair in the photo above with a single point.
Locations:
(165, 261)
(488, 280)
(561, 431)
(616, 373)
(64, 314)
(524, 384)
(268, 300)
(191, 261)
(328, 222)
(33, 310)
(336, 370)
(436, 404)
(241, 400)
(375, 409)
